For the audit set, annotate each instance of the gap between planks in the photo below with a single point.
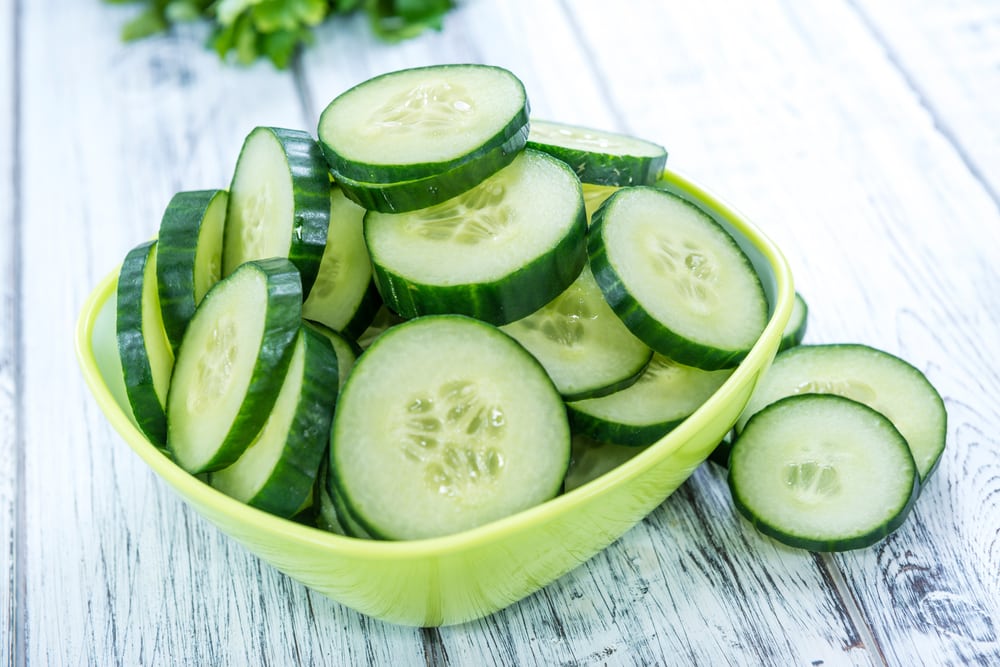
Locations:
(940, 124)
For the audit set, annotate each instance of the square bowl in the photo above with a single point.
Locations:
(460, 577)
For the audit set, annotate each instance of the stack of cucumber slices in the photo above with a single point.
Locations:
(438, 314)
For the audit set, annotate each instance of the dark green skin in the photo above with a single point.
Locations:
(292, 479)
(632, 435)
(394, 173)
(605, 168)
(136, 370)
(514, 296)
(180, 231)
(311, 200)
(639, 321)
(281, 326)
(802, 542)
(403, 196)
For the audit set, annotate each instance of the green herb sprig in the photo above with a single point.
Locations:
(245, 30)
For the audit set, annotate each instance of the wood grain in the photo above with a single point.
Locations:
(859, 135)
(8, 335)
(950, 55)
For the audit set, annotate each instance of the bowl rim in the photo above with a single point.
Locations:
(194, 490)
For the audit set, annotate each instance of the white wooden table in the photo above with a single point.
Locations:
(862, 135)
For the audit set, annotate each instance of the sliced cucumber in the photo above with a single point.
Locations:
(420, 122)
(581, 343)
(676, 278)
(795, 330)
(822, 472)
(445, 424)
(497, 252)
(384, 319)
(277, 471)
(402, 196)
(665, 394)
(146, 356)
(189, 255)
(231, 364)
(344, 297)
(279, 202)
(868, 375)
(347, 350)
(599, 157)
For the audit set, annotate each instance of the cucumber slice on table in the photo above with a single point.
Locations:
(279, 202)
(189, 255)
(665, 394)
(421, 122)
(231, 364)
(402, 196)
(599, 157)
(446, 423)
(344, 297)
(582, 344)
(146, 356)
(676, 278)
(871, 376)
(278, 470)
(497, 252)
(822, 472)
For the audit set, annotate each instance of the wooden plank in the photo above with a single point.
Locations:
(118, 570)
(948, 53)
(820, 137)
(654, 592)
(8, 337)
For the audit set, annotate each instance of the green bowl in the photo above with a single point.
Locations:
(468, 575)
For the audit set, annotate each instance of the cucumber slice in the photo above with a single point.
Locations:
(581, 343)
(347, 350)
(445, 424)
(231, 364)
(277, 471)
(420, 122)
(868, 375)
(599, 157)
(411, 195)
(822, 472)
(326, 516)
(795, 330)
(676, 278)
(338, 510)
(146, 357)
(497, 252)
(189, 255)
(279, 202)
(384, 319)
(344, 297)
(665, 394)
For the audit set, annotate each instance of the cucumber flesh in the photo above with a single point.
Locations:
(445, 424)
(597, 156)
(423, 121)
(497, 252)
(279, 202)
(676, 278)
(146, 356)
(822, 472)
(231, 364)
(866, 374)
(582, 344)
(343, 297)
(665, 394)
(277, 472)
(189, 255)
